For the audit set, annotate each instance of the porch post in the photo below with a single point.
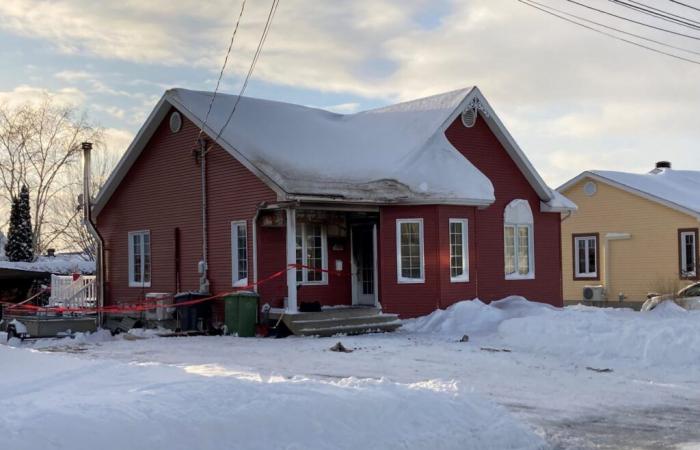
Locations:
(291, 259)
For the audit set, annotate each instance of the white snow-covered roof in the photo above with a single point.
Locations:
(59, 264)
(394, 154)
(385, 154)
(679, 189)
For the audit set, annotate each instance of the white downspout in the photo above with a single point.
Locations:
(608, 238)
(291, 260)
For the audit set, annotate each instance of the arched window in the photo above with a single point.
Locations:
(518, 241)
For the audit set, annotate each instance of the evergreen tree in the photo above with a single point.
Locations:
(19, 245)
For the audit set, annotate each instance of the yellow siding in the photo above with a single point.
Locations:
(648, 262)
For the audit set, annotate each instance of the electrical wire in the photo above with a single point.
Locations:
(697, 38)
(258, 51)
(658, 15)
(223, 68)
(639, 36)
(664, 12)
(685, 4)
(637, 44)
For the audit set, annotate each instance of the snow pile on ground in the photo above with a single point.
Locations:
(667, 336)
(65, 402)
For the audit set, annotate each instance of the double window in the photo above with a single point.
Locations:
(586, 256)
(459, 251)
(688, 253)
(519, 256)
(312, 254)
(140, 259)
(409, 251)
(239, 253)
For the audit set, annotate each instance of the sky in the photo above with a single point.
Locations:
(573, 99)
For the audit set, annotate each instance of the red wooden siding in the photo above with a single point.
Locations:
(162, 192)
(482, 148)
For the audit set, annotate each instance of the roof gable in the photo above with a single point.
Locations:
(676, 189)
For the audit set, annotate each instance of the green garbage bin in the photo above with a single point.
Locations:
(241, 313)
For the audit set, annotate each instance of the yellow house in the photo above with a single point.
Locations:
(633, 234)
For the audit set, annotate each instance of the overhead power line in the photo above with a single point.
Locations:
(637, 44)
(659, 15)
(665, 12)
(685, 4)
(617, 30)
(602, 11)
(223, 68)
(256, 56)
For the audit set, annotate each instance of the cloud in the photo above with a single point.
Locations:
(24, 94)
(560, 89)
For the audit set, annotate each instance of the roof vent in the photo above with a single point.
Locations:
(469, 117)
(663, 165)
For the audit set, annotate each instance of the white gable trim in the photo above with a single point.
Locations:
(593, 176)
(506, 140)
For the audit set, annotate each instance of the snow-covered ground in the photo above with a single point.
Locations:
(416, 388)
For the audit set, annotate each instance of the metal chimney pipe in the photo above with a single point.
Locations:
(92, 229)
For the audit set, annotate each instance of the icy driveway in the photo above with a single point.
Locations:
(419, 388)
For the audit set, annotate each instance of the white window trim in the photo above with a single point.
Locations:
(531, 251)
(304, 259)
(684, 254)
(578, 272)
(399, 278)
(465, 250)
(133, 283)
(235, 281)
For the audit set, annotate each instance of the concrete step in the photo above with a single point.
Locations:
(349, 321)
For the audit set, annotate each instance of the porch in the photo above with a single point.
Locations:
(335, 288)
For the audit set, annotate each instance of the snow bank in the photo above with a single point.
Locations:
(474, 317)
(667, 336)
(86, 404)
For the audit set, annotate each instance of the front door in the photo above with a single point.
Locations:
(363, 256)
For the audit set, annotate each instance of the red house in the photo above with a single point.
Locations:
(410, 207)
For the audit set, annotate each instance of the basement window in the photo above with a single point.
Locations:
(140, 259)
(409, 251)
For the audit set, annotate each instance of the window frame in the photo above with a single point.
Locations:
(235, 260)
(131, 274)
(577, 275)
(301, 226)
(681, 252)
(464, 278)
(516, 245)
(421, 241)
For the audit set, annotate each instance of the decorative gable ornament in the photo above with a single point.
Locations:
(470, 113)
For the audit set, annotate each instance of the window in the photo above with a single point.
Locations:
(140, 259)
(312, 253)
(459, 257)
(518, 241)
(239, 253)
(585, 248)
(688, 253)
(409, 251)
